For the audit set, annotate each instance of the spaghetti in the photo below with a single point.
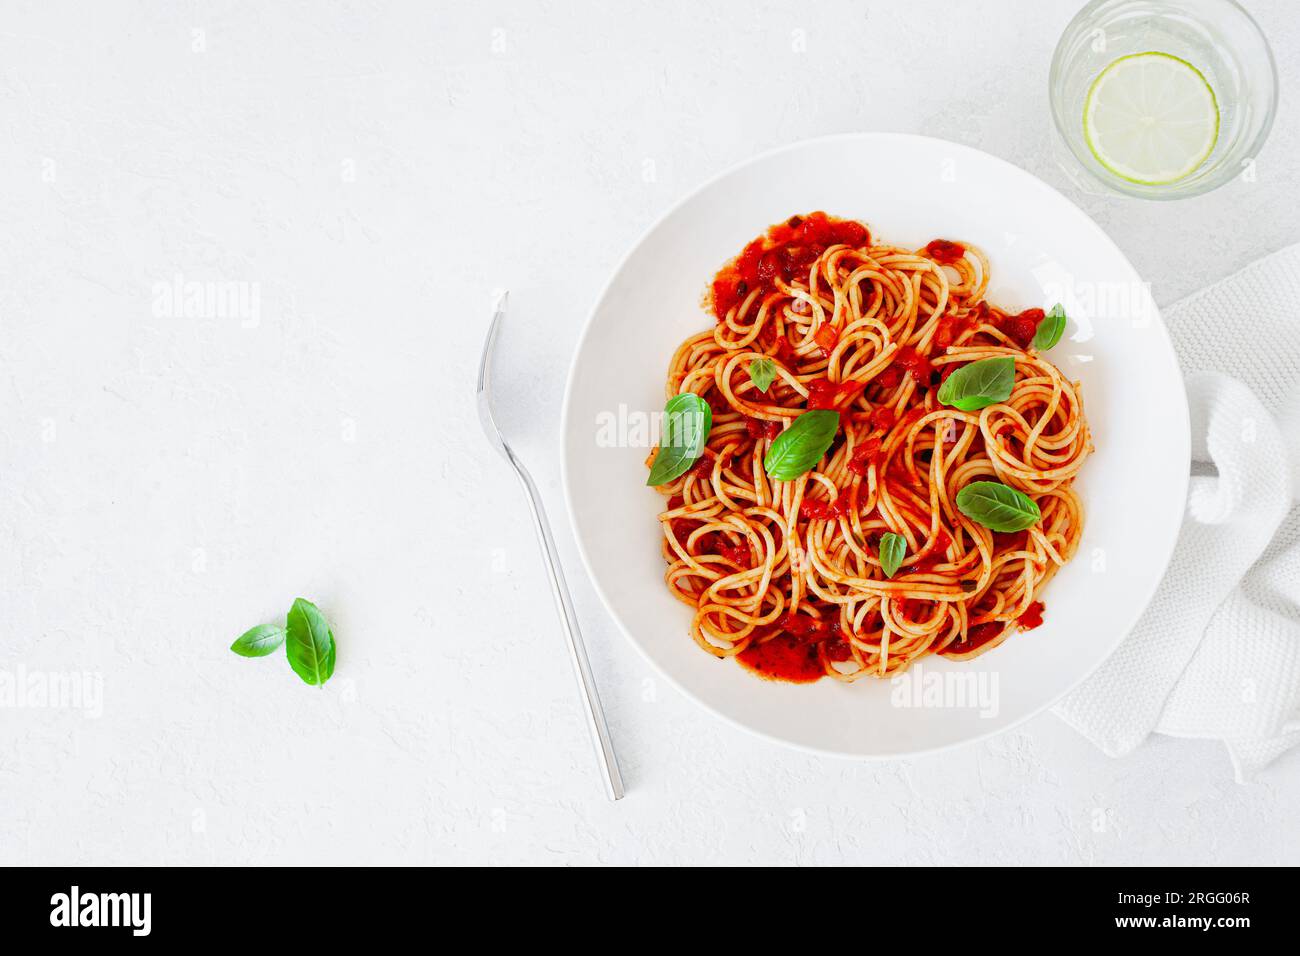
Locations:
(786, 576)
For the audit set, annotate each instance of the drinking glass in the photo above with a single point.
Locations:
(1217, 37)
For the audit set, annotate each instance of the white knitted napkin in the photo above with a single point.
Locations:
(1217, 654)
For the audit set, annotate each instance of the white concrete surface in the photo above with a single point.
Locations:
(370, 171)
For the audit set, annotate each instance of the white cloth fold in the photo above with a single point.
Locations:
(1217, 653)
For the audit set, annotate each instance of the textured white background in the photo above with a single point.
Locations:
(376, 169)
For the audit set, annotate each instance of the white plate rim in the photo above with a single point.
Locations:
(1184, 444)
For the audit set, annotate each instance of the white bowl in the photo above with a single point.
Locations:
(1043, 249)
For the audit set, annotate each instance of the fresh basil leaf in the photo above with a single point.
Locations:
(801, 446)
(258, 641)
(1050, 329)
(687, 420)
(979, 384)
(761, 373)
(893, 548)
(997, 506)
(309, 643)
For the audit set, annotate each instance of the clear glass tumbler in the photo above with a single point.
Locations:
(1217, 37)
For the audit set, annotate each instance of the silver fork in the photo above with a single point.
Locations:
(563, 603)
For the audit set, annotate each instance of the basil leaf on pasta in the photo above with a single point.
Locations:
(893, 548)
(979, 384)
(761, 373)
(1050, 329)
(997, 506)
(801, 446)
(687, 420)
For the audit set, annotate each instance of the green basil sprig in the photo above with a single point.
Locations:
(761, 372)
(687, 420)
(893, 548)
(997, 506)
(307, 639)
(309, 643)
(258, 641)
(1050, 329)
(979, 384)
(801, 446)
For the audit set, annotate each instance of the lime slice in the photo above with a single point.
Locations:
(1151, 118)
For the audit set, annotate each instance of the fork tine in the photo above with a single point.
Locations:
(486, 360)
(484, 391)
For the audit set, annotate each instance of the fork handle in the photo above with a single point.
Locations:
(573, 637)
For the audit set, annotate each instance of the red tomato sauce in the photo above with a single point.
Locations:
(788, 249)
(950, 329)
(786, 658)
(1032, 618)
(825, 394)
(915, 364)
(928, 560)
(1019, 328)
(866, 455)
(826, 337)
(794, 654)
(977, 637)
(945, 252)
(824, 510)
